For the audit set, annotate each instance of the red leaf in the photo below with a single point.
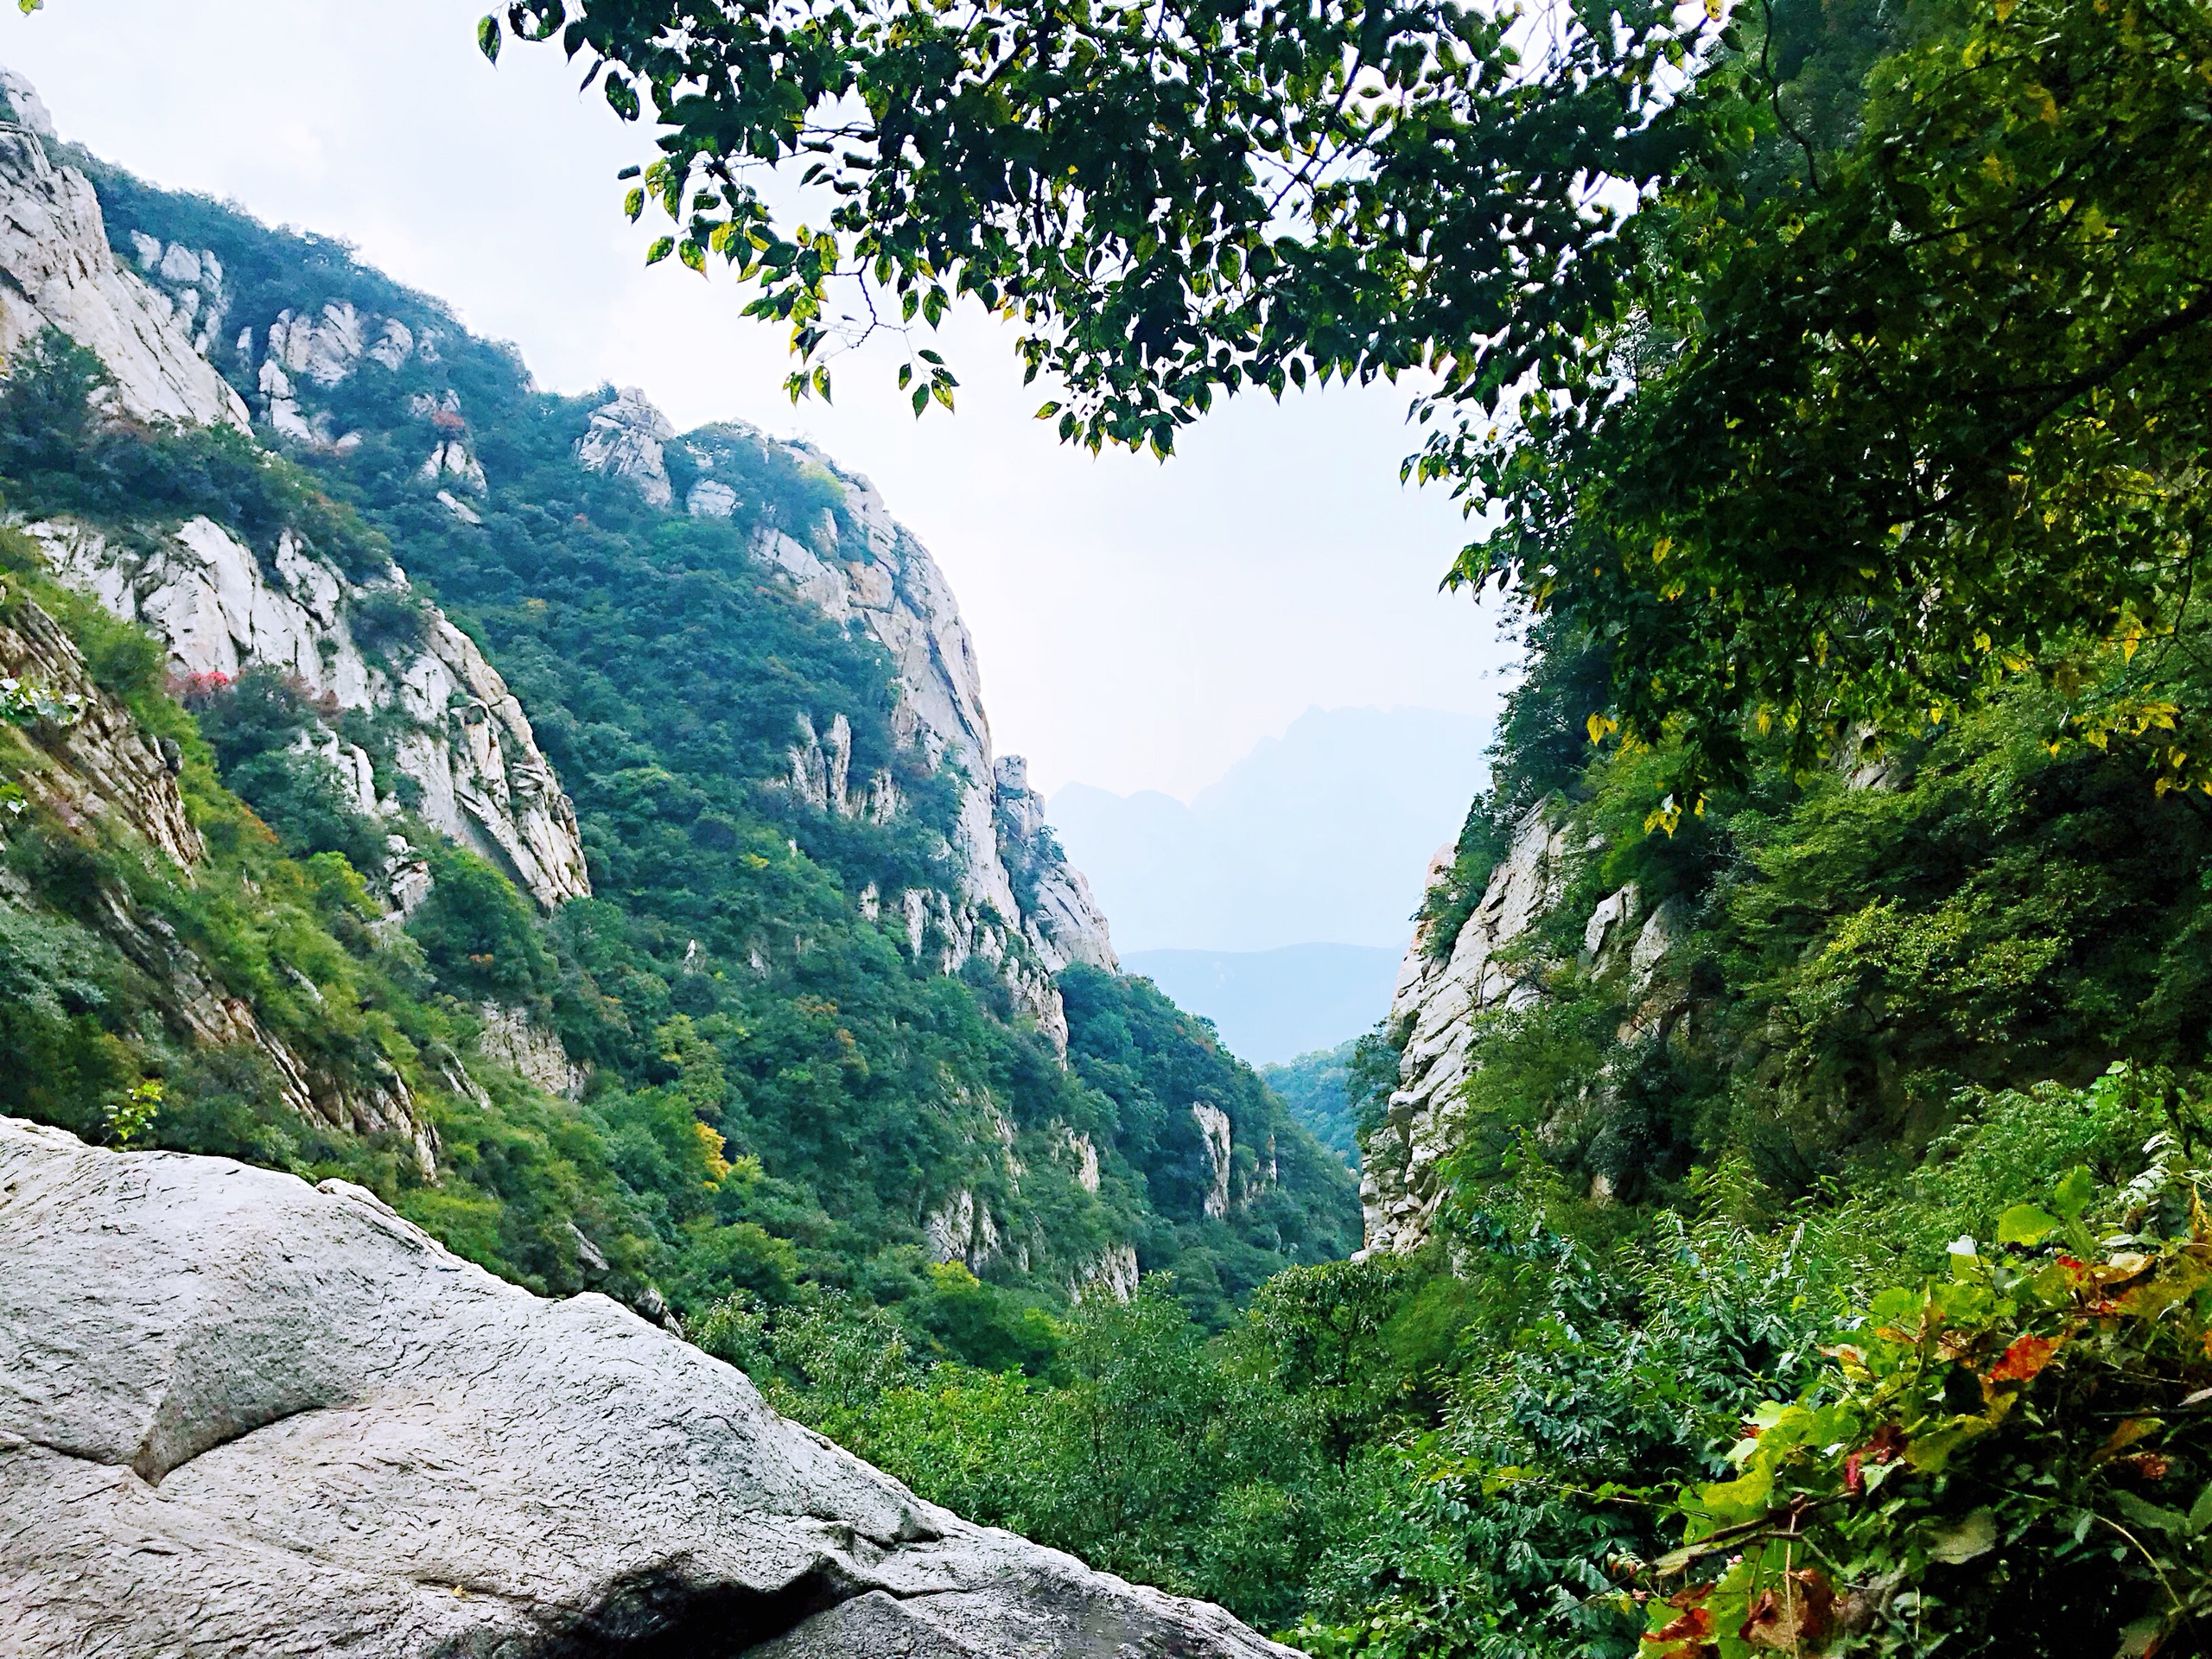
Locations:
(1887, 1443)
(1800, 1611)
(2026, 1356)
(1695, 1625)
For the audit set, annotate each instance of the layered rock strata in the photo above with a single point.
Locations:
(1441, 996)
(94, 771)
(238, 1413)
(465, 741)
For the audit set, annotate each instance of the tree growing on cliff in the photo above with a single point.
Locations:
(1885, 396)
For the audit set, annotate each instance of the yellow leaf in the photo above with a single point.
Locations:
(1598, 725)
(2005, 8)
(711, 1147)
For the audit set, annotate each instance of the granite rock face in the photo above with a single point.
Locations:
(56, 271)
(1435, 1004)
(241, 1414)
(1441, 996)
(627, 438)
(465, 742)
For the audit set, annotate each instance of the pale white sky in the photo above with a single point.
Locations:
(1139, 627)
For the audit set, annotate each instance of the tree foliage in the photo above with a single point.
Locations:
(1173, 201)
(1884, 394)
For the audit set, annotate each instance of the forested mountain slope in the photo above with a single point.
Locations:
(618, 808)
(1813, 974)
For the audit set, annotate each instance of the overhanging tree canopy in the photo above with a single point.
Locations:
(1835, 446)
(1173, 198)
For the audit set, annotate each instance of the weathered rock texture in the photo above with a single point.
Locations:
(1440, 997)
(1435, 1004)
(103, 778)
(240, 1414)
(463, 739)
(512, 1037)
(58, 274)
(466, 744)
(1019, 905)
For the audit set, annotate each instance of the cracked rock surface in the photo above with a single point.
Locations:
(240, 1414)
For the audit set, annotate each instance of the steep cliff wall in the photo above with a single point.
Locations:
(464, 742)
(59, 274)
(76, 757)
(1493, 963)
(1019, 904)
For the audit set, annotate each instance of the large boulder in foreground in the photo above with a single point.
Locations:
(240, 1414)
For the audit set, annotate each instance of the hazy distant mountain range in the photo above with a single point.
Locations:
(1278, 901)
(1322, 834)
(1276, 1005)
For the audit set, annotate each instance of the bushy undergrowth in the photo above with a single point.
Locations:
(1531, 1441)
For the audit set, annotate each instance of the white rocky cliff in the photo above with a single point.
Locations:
(1442, 994)
(58, 274)
(463, 740)
(1438, 996)
(242, 1414)
(1020, 906)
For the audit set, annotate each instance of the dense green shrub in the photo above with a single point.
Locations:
(60, 454)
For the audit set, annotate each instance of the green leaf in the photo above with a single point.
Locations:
(660, 250)
(2025, 1223)
(1930, 1451)
(2075, 1192)
(2200, 1513)
(487, 32)
(921, 398)
(1975, 1535)
(1895, 1305)
(2144, 1514)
